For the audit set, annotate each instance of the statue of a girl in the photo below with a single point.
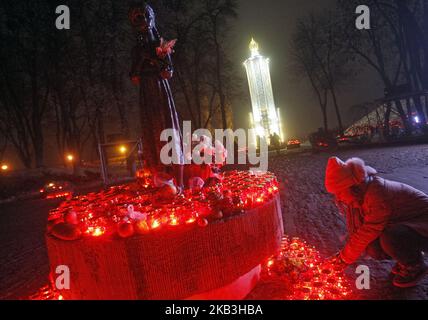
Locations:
(151, 69)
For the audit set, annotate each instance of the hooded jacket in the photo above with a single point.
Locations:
(385, 203)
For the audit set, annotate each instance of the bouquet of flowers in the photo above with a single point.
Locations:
(165, 48)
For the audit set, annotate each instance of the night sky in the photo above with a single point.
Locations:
(271, 23)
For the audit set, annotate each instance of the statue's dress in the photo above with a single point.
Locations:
(157, 108)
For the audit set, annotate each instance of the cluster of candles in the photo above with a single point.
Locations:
(143, 205)
(46, 293)
(297, 264)
(58, 195)
(309, 276)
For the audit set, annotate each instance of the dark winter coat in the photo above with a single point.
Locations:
(386, 203)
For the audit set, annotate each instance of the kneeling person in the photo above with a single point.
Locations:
(385, 219)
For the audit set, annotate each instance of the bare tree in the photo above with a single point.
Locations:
(203, 79)
(3, 146)
(24, 82)
(304, 65)
(320, 52)
(219, 11)
(395, 47)
(75, 83)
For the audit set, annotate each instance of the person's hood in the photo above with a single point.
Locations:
(342, 175)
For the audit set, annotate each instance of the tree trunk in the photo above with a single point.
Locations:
(418, 105)
(3, 149)
(100, 127)
(386, 120)
(38, 144)
(24, 153)
(124, 125)
(321, 100)
(403, 116)
(182, 83)
(218, 74)
(323, 105)
(426, 105)
(336, 107)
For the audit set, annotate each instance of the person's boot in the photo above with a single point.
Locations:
(410, 276)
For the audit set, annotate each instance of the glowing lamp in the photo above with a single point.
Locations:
(123, 149)
(4, 167)
(69, 157)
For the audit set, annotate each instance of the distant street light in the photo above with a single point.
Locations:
(4, 167)
(123, 149)
(70, 158)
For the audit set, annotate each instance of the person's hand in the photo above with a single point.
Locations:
(336, 263)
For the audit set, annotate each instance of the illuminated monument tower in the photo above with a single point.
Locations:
(265, 118)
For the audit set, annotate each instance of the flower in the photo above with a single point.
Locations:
(165, 48)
